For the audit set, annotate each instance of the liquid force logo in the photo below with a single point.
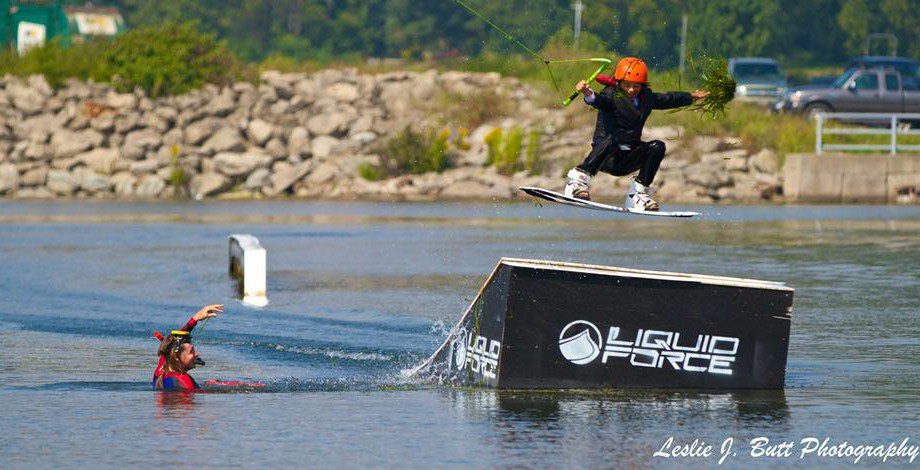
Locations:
(478, 352)
(580, 342)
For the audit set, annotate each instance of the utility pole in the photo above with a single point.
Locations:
(683, 44)
(579, 9)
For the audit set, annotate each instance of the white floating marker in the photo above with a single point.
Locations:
(247, 265)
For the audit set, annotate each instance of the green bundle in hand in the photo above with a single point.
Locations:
(719, 84)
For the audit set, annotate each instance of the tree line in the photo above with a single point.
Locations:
(799, 32)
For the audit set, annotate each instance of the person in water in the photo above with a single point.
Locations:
(623, 107)
(178, 354)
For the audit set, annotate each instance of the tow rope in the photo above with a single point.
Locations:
(546, 62)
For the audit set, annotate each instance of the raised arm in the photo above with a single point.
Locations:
(208, 311)
(676, 99)
(670, 100)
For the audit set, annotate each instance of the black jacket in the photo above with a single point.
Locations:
(618, 118)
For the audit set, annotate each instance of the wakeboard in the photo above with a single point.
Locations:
(571, 201)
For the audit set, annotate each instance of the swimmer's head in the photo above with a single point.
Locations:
(179, 352)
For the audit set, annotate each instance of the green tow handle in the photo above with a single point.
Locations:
(604, 64)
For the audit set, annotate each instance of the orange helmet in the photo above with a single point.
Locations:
(631, 69)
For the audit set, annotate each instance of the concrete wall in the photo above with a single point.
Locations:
(852, 178)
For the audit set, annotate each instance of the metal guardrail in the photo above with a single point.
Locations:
(893, 130)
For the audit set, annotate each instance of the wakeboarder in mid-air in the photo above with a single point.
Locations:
(623, 106)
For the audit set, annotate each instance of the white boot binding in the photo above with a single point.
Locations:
(638, 197)
(578, 184)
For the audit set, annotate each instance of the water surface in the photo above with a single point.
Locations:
(360, 292)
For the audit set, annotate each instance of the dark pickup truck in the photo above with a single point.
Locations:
(856, 91)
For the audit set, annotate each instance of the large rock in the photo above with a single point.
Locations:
(172, 137)
(324, 173)
(324, 145)
(708, 177)
(364, 138)
(344, 92)
(25, 99)
(267, 95)
(707, 144)
(121, 101)
(138, 143)
(149, 186)
(223, 104)
(227, 139)
(100, 160)
(299, 142)
(199, 131)
(34, 193)
(91, 181)
(62, 182)
(765, 161)
(286, 177)
(144, 167)
(35, 129)
(283, 84)
(65, 163)
(66, 143)
(333, 123)
(239, 164)
(38, 152)
(258, 179)
(209, 184)
(170, 115)
(127, 122)
(364, 123)
(35, 177)
(104, 123)
(124, 184)
(259, 132)
(9, 178)
(669, 134)
(306, 89)
(39, 84)
(153, 121)
(276, 149)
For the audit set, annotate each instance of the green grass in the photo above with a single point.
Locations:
(414, 152)
(370, 172)
(504, 151)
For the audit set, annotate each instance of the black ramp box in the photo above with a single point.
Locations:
(549, 325)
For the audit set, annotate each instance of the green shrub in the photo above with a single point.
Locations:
(460, 142)
(370, 172)
(168, 59)
(416, 152)
(437, 150)
(504, 149)
(177, 176)
(493, 141)
(163, 60)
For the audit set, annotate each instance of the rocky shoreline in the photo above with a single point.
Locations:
(309, 135)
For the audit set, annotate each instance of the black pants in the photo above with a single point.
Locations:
(610, 158)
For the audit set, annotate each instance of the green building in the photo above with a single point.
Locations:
(32, 23)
